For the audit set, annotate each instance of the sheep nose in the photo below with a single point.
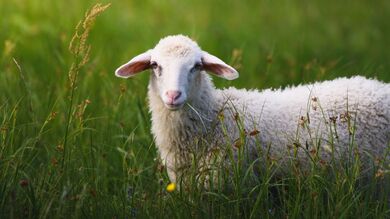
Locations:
(173, 94)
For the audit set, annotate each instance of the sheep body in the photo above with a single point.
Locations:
(320, 116)
(277, 115)
(288, 114)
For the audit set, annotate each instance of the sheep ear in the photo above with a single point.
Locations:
(137, 64)
(218, 67)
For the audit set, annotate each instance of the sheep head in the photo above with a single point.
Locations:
(176, 63)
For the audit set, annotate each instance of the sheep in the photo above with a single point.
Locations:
(186, 109)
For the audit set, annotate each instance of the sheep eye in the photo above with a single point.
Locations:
(197, 66)
(153, 65)
(156, 68)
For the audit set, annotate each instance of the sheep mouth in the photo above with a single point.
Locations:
(174, 106)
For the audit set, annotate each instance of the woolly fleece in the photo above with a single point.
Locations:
(312, 117)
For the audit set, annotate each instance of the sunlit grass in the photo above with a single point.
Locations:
(75, 141)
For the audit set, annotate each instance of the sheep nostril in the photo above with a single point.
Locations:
(173, 94)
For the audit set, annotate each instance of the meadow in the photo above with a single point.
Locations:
(75, 140)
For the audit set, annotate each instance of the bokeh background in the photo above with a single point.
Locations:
(110, 148)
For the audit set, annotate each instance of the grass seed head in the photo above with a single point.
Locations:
(254, 132)
(379, 174)
(23, 183)
(302, 120)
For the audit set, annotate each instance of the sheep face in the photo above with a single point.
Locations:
(176, 64)
(174, 79)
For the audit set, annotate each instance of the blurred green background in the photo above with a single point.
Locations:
(271, 43)
(306, 40)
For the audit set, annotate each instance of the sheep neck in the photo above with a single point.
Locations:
(174, 130)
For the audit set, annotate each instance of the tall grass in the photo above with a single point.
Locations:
(75, 141)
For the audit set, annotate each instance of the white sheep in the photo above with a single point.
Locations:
(314, 119)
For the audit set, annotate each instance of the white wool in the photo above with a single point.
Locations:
(284, 118)
(176, 46)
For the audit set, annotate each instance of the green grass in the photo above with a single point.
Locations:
(86, 150)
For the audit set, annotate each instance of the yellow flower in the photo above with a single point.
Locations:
(171, 187)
